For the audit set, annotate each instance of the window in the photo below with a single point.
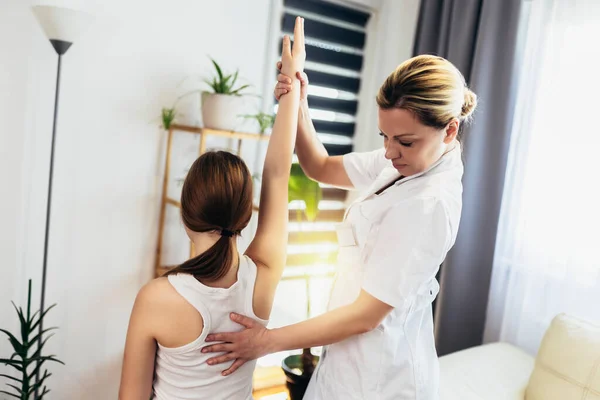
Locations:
(335, 40)
(546, 259)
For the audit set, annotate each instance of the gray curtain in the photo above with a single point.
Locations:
(480, 38)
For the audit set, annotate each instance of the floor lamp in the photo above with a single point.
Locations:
(62, 26)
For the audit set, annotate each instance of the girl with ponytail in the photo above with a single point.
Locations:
(173, 315)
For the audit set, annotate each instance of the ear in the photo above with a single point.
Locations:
(451, 131)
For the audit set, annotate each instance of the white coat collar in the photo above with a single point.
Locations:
(449, 161)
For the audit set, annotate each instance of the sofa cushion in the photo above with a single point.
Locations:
(568, 363)
(497, 371)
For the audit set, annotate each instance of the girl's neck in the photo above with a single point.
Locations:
(204, 241)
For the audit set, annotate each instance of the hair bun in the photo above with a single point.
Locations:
(469, 105)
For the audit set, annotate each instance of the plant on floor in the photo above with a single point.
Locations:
(27, 358)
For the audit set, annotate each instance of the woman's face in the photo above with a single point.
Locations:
(411, 146)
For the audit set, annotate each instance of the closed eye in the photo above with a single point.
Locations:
(397, 139)
(405, 144)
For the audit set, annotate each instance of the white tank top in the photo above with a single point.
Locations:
(182, 372)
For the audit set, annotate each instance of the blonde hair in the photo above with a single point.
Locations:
(432, 88)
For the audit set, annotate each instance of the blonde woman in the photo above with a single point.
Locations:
(378, 332)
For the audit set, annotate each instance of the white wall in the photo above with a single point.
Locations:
(108, 161)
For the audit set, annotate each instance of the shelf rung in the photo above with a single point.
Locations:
(216, 132)
(173, 202)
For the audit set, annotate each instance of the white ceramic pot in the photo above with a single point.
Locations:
(222, 111)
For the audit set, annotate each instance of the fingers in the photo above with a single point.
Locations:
(283, 86)
(243, 320)
(286, 47)
(302, 77)
(284, 78)
(279, 64)
(299, 35)
(220, 337)
(280, 92)
(221, 359)
(219, 348)
(238, 363)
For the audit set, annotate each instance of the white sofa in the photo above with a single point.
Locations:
(567, 367)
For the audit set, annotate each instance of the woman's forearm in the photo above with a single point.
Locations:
(312, 155)
(325, 329)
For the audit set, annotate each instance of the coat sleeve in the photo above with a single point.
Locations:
(363, 168)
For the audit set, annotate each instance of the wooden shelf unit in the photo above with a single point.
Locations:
(167, 201)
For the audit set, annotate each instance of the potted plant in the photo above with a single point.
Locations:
(26, 360)
(168, 116)
(222, 105)
(299, 368)
(265, 121)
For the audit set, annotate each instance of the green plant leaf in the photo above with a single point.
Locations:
(29, 301)
(38, 367)
(219, 72)
(18, 389)
(301, 187)
(214, 85)
(225, 86)
(237, 91)
(235, 77)
(20, 359)
(34, 316)
(41, 334)
(15, 364)
(10, 335)
(10, 394)
(11, 377)
(41, 317)
(41, 346)
(44, 392)
(17, 346)
(40, 383)
(312, 202)
(24, 323)
(43, 359)
(209, 83)
(34, 372)
(168, 115)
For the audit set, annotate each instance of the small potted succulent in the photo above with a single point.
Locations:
(222, 105)
(265, 121)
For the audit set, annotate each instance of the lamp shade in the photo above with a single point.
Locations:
(61, 25)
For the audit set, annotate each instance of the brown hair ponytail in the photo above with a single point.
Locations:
(216, 196)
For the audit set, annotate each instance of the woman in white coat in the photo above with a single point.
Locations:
(378, 332)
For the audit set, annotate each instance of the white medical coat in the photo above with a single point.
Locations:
(391, 246)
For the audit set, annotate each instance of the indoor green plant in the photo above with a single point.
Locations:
(264, 120)
(299, 368)
(222, 104)
(27, 358)
(168, 116)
